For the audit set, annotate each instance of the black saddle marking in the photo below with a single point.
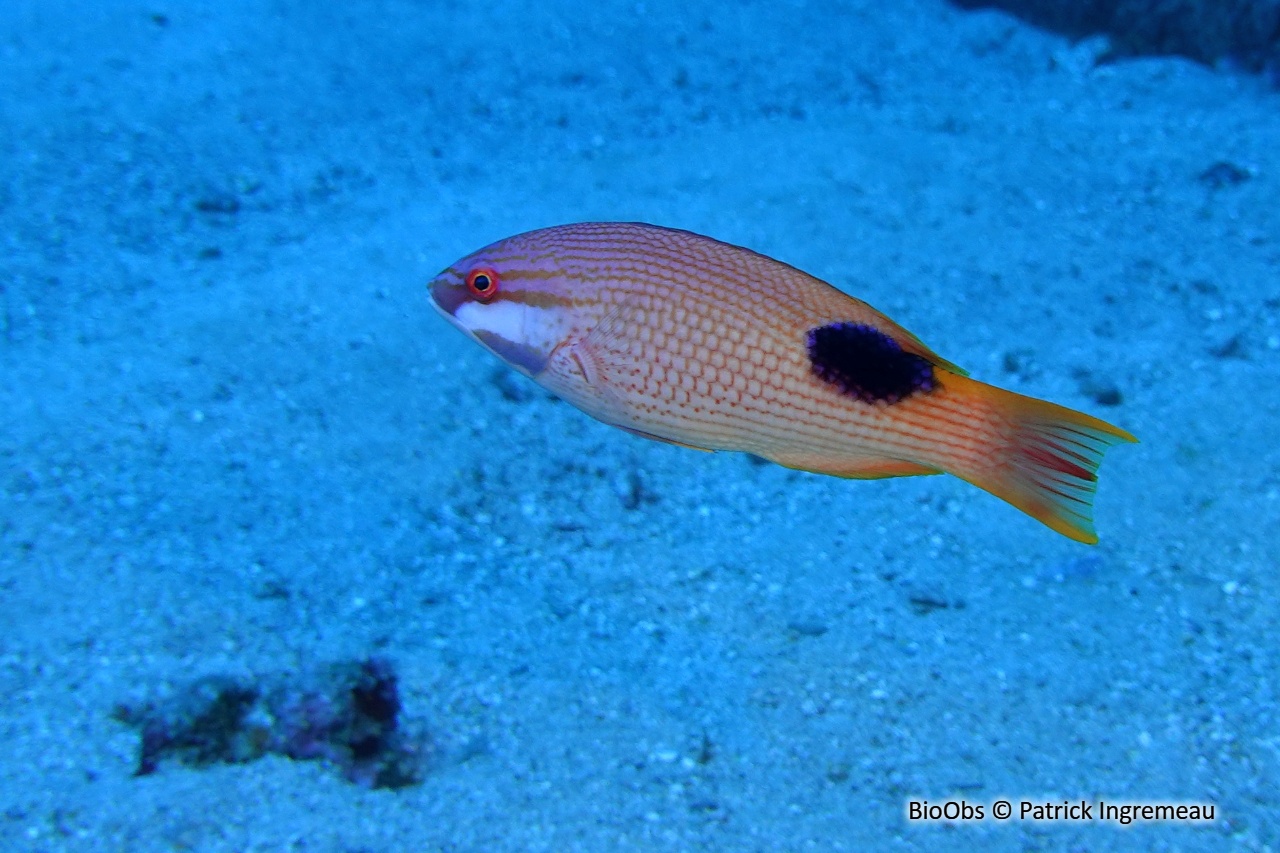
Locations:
(865, 363)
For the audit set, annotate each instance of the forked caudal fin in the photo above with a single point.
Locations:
(1047, 459)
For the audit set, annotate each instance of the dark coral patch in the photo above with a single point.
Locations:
(865, 363)
(347, 714)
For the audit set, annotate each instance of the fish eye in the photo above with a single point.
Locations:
(483, 283)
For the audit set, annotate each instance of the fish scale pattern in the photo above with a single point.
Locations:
(706, 342)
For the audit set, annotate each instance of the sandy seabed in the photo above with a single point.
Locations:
(237, 440)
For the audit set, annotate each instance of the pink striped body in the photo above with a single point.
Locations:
(686, 339)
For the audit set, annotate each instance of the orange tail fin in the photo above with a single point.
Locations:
(1044, 458)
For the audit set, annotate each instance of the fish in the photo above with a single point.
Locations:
(688, 340)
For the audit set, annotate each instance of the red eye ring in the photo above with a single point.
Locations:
(482, 282)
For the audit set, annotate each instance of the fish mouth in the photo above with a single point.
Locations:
(447, 295)
(467, 314)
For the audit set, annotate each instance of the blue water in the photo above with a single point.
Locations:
(238, 443)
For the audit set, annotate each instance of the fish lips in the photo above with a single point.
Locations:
(448, 295)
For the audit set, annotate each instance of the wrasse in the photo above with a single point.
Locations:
(685, 339)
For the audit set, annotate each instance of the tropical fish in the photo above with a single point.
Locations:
(682, 338)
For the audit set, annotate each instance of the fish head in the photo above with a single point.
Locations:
(517, 303)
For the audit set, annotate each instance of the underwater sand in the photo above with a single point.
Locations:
(236, 439)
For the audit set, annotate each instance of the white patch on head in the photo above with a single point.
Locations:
(520, 324)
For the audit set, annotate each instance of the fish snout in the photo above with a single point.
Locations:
(448, 293)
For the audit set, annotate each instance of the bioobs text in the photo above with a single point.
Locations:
(949, 810)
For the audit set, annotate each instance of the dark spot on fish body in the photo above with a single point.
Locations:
(865, 363)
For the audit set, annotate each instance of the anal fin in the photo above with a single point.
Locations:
(866, 468)
(642, 434)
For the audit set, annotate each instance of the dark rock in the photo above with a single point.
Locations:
(922, 604)
(204, 724)
(1224, 174)
(347, 714)
(1244, 31)
(806, 627)
(1102, 391)
(220, 203)
(1232, 347)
